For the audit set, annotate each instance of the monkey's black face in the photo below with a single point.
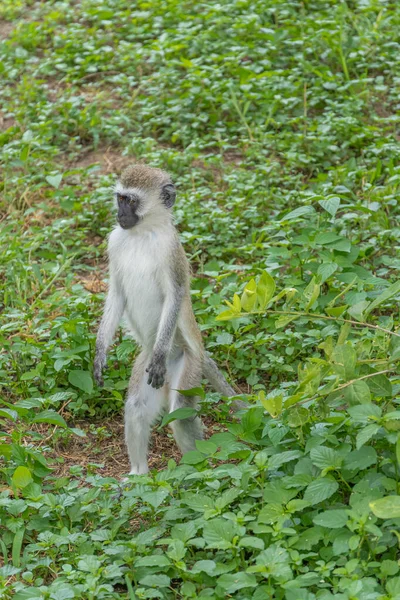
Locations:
(127, 207)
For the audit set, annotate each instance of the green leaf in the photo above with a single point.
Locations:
(206, 447)
(272, 403)
(21, 477)
(331, 205)
(249, 296)
(380, 386)
(178, 415)
(320, 489)
(360, 459)
(16, 547)
(231, 583)
(219, 533)
(345, 359)
(386, 508)
(193, 457)
(298, 213)
(155, 581)
(225, 315)
(50, 416)
(333, 519)
(54, 180)
(82, 380)
(365, 413)
(325, 458)
(193, 392)
(325, 270)
(357, 393)
(391, 291)
(366, 434)
(265, 289)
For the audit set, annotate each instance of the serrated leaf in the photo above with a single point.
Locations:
(324, 458)
(320, 489)
(360, 459)
(225, 315)
(333, 519)
(82, 380)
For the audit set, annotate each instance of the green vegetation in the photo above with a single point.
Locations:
(278, 121)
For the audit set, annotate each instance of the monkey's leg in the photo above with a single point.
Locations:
(142, 407)
(185, 373)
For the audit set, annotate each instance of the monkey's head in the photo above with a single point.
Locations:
(143, 191)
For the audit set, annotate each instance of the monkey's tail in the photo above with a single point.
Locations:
(219, 383)
(215, 377)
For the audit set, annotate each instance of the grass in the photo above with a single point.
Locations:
(278, 121)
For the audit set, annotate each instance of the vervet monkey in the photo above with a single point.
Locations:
(149, 284)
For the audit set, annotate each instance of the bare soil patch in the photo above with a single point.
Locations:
(6, 28)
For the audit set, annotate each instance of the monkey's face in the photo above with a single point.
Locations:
(128, 205)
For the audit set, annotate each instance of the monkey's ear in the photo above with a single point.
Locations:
(168, 195)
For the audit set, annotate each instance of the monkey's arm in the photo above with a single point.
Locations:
(113, 309)
(165, 333)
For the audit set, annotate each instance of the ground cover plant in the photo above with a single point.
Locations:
(278, 122)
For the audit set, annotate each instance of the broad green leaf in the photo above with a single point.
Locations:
(50, 416)
(272, 403)
(21, 477)
(320, 489)
(366, 434)
(155, 581)
(231, 583)
(357, 393)
(82, 380)
(325, 458)
(325, 270)
(386, 508)
(391, 291)
(265, 289)
(193, 457)
(225, 315)
(219, 533)
(206, 447)
(331, 205)
(333, 519)
(54, 180)
(178, 415)
(193, 392)
(345, 359)
(380, 386)
(360, 459)
(297, 213)
(365, 413)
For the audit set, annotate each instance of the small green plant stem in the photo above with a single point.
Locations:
(297, 313)
(344, 385)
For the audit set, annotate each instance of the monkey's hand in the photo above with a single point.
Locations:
(99, 364)
(157, 370)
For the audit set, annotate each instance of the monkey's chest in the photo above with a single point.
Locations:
(141, 282)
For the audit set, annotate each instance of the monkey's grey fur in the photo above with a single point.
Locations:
(149, 284)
